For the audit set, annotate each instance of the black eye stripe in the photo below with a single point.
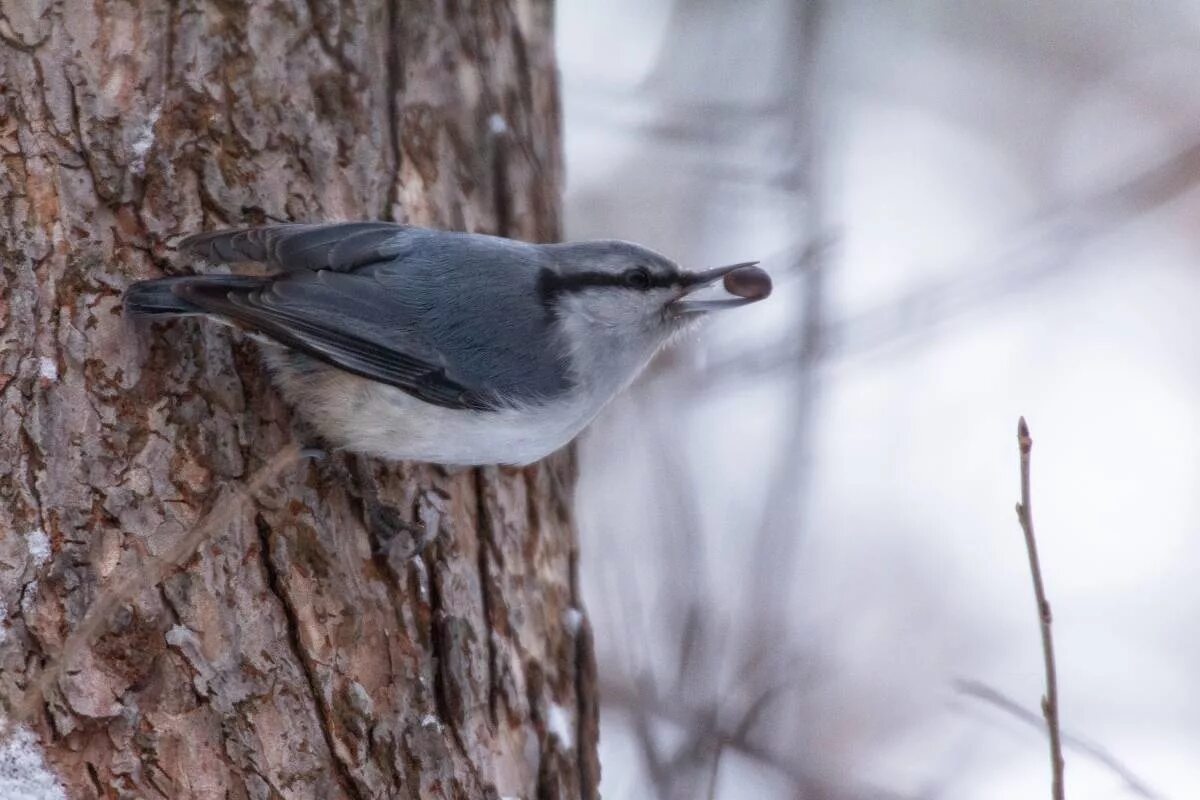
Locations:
(551, 283)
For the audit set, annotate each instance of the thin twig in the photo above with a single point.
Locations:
(1050, 700)
(984, 693)
(140, 576)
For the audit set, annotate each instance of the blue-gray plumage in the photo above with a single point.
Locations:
(440, 346)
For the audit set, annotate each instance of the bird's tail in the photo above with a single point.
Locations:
(161, 297)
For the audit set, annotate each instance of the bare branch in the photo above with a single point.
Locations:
(1050, 700)
(981, 691)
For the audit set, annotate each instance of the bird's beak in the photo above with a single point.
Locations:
(743, 284)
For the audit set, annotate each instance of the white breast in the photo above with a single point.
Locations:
(377, 419)
(395, 425)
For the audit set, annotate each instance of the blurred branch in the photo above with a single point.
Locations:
(1044, 247)
(782, 519)
(1050, 701)
(705, 724)
(981, 691)
(695, 760)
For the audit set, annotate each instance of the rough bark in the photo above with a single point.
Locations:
(305, 651)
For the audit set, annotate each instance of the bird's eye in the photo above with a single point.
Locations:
(637, 278)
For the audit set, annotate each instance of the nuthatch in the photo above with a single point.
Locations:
(454, 348)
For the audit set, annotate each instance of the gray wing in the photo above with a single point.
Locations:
(399, 305)
(340, 246)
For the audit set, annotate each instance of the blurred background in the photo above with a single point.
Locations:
(801, 556)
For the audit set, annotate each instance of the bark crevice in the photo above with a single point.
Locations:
(275, 584)
(394, 86)
(485, 538)
(449, 690)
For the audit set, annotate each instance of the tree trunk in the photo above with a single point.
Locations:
(315, 645)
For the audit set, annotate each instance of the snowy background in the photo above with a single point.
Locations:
(798, 529)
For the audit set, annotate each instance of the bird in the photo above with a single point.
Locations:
(461, 349)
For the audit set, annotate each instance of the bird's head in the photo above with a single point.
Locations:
(620, 290)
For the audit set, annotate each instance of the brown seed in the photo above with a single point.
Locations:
(749, 282)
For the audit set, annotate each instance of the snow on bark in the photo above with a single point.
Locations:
(23, 771)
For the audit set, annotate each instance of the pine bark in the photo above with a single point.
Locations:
(318, 644)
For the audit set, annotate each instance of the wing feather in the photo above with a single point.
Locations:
(397, 304)
(321, 335)
(339, 246)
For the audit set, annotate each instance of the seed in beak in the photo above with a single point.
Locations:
(751, 283)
